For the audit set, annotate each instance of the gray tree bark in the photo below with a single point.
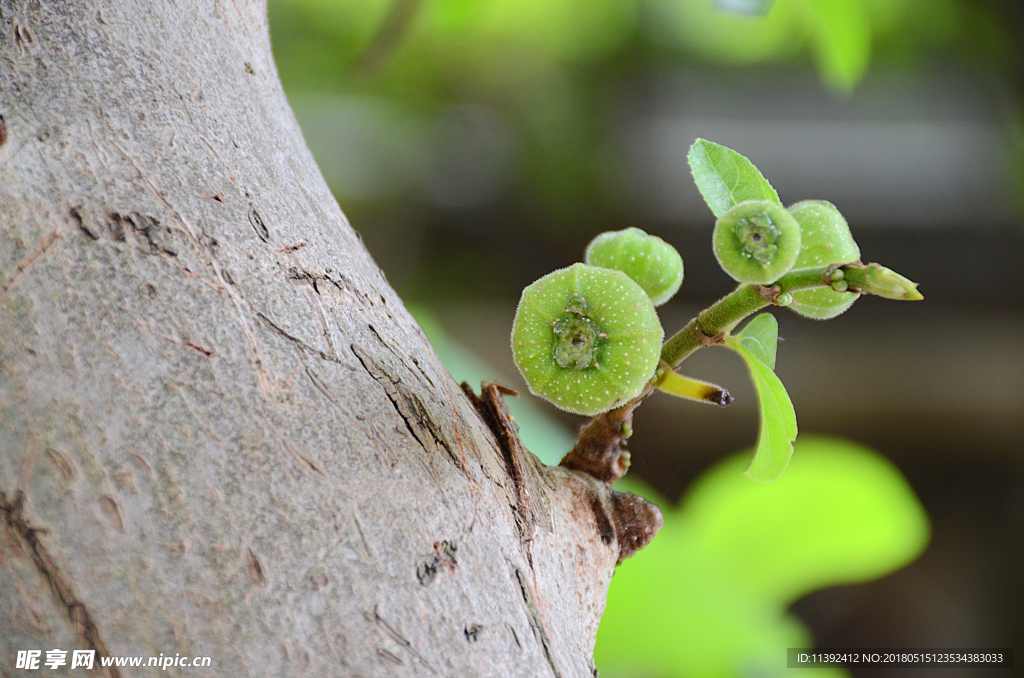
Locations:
(221, 433)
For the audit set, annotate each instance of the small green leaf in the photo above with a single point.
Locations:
(726, 178)
(778, 418)
(761, 337)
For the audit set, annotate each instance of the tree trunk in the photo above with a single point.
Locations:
(221, 433)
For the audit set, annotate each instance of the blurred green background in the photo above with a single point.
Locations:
(478, 144)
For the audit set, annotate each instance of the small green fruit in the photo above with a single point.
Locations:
(650, 261)
(586, 338)
(756, 241)
(826, 240)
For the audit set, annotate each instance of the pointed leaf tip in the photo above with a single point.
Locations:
(726, 178)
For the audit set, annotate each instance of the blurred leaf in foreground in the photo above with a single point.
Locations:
(708, 596)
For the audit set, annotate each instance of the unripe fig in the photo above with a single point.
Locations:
(826, 239)
(756, 241)
(650, 261)
(586, 338)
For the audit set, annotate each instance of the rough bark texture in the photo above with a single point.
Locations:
(221, 434)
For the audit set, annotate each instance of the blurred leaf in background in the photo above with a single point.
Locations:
(420, 111)
(564, 30)
(838, 31)
(709, 596)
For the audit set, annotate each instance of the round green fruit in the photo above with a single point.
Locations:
(586, 338)
(650, 261)
(826, 239)
(756, 241)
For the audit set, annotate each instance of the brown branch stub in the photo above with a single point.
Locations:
(599, 449)
(624, 518)
(720, 397)
(491, 405)
(492, 408)
(471, 395)
(636, 520)
(708, 340)
(769, 294)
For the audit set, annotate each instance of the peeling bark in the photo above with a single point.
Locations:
(221, 433)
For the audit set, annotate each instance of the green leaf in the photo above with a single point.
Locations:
(710, 595)
(726, 178)
(778, 418)
(840, 514)
(761, 337)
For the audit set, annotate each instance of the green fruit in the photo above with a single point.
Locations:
(650, 261)
(826, 240)
(756, 241)
(586, 338)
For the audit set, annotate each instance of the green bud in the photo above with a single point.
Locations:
(881, 281)
(650, 261)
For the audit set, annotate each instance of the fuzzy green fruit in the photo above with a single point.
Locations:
(826, 240)
(586, 338)
(650, 261)
(756, 241)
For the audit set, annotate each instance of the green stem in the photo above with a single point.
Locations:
(727, 312)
